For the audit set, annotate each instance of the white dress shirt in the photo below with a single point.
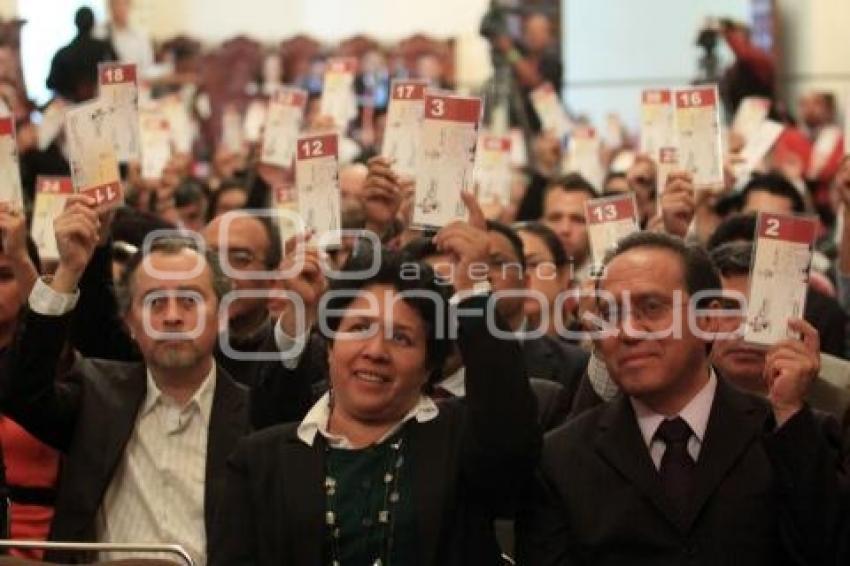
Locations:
(695, 413)
(157, 492)
(455, 383)
(317, 418)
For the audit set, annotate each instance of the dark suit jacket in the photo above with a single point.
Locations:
(467, 463)
(553, 359)
(90, 416)
(762, 496)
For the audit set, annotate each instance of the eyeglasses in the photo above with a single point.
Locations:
(640, 308)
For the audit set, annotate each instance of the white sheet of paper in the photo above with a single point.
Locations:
(493, 173)
(338, 98)
(94, 164)
(751, 113)
(404, 125)
(286, 200)
(609, 220)
(231, 130)
(584, 156)
(779, 276)
(10, 170)
(50, 196)
(255, 118)
(118, 88)
(317, 185)
(553, 118)
(759, 143)
(656, 122)
(519, 154)
(283, 122)
(446, 160)
(52, 121)
(828, 138)
(668, 161)
(698, 136)
(179, 123)
(156, 143)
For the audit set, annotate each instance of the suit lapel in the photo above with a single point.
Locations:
(303, 486)
(228, 423)
(621, 444)
(734, 423)
(537, 355)
(119, 419)
(428, 442)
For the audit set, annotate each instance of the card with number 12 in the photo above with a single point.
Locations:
(317, 185)
(779, 276)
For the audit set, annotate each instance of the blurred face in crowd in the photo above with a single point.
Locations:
(543, 276)
(120, 10)
(563, 212)
(616, 185)
(352, 179)
(814, 110)
(10, 298)
(378, 360)
(193, 310)
(764, 201)
(547, 152)
(231, 199)
(506, 275)
(659, 368)
(537, 33)
(246, 247)
(734, 359)
(193, 215)
(428, 67)
(641, 177)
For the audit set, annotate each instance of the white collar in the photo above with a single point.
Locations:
(317, 418)
(695, 413)
(203, 397)
(455, 383)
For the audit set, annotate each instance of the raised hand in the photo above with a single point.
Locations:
(382, 195)
(77, 231)
(790, 368)
(467, 244)
(677, 203)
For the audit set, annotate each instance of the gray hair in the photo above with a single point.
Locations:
(170, 245)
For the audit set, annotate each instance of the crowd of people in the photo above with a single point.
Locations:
(183, 374)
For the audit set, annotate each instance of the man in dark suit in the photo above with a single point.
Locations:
(683, 468)
(145, 443)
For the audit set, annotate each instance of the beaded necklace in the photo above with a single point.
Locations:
(386, 515)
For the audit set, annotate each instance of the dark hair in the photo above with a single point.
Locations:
(84, 20)
(513, 238)
(169, 245)
(228, 185)
(419, 249)
(733, 258)
(776, 185)
(699, 272)
(736, 227)
(190, 191)
(397, 271)
(572, 183)
(559, 256)
(610, 177)
(131, 225)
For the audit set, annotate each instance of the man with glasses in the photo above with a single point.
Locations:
(683, 467)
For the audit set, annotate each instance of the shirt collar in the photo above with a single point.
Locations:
(317, 418)
(695, 413)
(203, 397)
(455, 383)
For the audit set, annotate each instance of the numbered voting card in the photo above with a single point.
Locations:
(668, 161)
(404, 125)
(338, 98)
(283, 122)
(758, 145)
(94, 164)
(584, 156)
(10, 171)
(286, 202)
(656, 122)
(609, 220)
(179, 123)
(156, 143)
(255, 118)
(493, 174)
(698, 136)
(317, 185)
(752, 111)
(553, 118)
(119, 90)
(446, 158)
(779, 276)
(231, 130)
(50, 196)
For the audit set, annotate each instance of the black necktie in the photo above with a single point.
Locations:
(677, 466)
